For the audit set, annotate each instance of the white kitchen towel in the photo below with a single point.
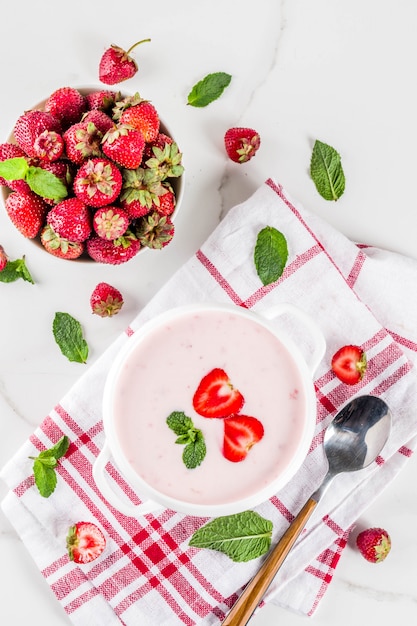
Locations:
(148, 574)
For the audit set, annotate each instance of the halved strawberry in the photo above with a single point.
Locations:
(85, 542)
(216, 396)
(241, 432)
(349, 364)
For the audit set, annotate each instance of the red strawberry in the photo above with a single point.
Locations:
(241, 432)
(241, 144)
(82, 141)
(71, 219)
(116, 65)
(101, 120)
(85, 542)
(349, 364)
(216, 396)
(374, 544)
(27, 212)
(154, 230)
(124, 145)
(98, 182)
(110, 222)
(3, 259)
(11, 151)
(160, 142)
(30, 125)
(49, 145)
(106, 300)
(143, 117)
(60, 247)
(113, 252)
(67, 104)
(165, 204)
(102, 100)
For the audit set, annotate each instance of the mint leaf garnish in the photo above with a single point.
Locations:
(190, 436)
(44, 466)
(69, 337)
(15, 270)
(41, 182)
(326, 171)
(242, 536)
(208, 89)
(271, 254)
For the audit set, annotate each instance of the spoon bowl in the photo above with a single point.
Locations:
(352, 441)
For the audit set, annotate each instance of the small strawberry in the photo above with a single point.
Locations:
(166, 163)
(60, 247)
(161, 140)
(11, 151)
(102, 100)
(349, 364)
(110, 222)
(241, 144)
(143, 117)
(124, 145)
(114, 252)
(85, 542)
(82, 141)
(215, 395)
(165, 204)
(98, 182)
(154, 230)
(241, 432)
(116, 64)
(66, 104)
(30, 125)
(374, 544)
(49, 145)
(27, 212)
(101, 120)
(3, 259)
(71, 219)
(106, 300)
(140, 188)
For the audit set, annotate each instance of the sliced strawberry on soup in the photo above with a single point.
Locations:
(241, 432)
(216, 396)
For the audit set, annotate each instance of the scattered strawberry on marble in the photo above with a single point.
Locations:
(92, 175)
(374, 544)
(106, 300)
(349, 364)
(85, 542)
(241, 144)
(116, 64)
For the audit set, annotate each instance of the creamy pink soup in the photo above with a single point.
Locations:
(161, 375)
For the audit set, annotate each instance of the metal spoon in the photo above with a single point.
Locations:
(352, 441)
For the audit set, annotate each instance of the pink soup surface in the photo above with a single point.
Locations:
(162, 374)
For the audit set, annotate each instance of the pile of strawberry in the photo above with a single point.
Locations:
(92, 174)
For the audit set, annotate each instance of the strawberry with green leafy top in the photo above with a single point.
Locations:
(82, 141)
(113, 252)
(27, 212)
(124, 145)
(241, 432)
(85, 542)
(216, 396)
(241, 144)
(59, 246)
(116, 64)
(98, 182)
(110, 222)
(106, 300)
(154, 230)
(374, 544)
(349, 364)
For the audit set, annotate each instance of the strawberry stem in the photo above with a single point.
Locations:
(136, 44)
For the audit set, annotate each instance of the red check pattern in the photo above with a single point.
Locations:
(148, 574)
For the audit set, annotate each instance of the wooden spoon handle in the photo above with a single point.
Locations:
(242, 610)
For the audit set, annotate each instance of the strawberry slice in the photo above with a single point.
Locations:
(85, 542)
(241, 432)
(216, 396)
(349, 364)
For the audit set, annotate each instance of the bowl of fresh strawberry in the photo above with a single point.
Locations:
(92, 174)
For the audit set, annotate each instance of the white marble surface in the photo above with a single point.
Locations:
(342, 72)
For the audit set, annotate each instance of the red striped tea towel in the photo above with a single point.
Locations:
(148, 574)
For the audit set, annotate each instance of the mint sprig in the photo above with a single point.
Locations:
(40, 181)
(271, 254)
(326, 171)
(68, 335)
(242, 536)
(44, 466)
(190, 436)
(208, 89)
(14, 270)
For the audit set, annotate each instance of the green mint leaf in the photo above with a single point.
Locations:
(45, 478)
(242, 536)
(47, 459)
(326, 171)
(60, 448)
(208, 89)
(15, 270)
(46, 184)
(195, 451)
(190, 436)
(271, 254)
(69, 337)
(14, 169)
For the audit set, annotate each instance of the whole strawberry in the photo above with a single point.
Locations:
(98, 182)
(102, 100)
(374, 544)
(112, 252)
(71, 219)
(106, 300)
(241, 144)
(349, 364)
(11, 151)
(27, 212)
(110, 222)
(116, 64)
(85, 542)
(60, 247)
(143, 117)
(49, 146)
(124, 145)
(82, 141)
(30, 125)
(3, 259)
(67, 104)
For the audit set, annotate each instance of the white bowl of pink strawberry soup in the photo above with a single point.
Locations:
(209, 409)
